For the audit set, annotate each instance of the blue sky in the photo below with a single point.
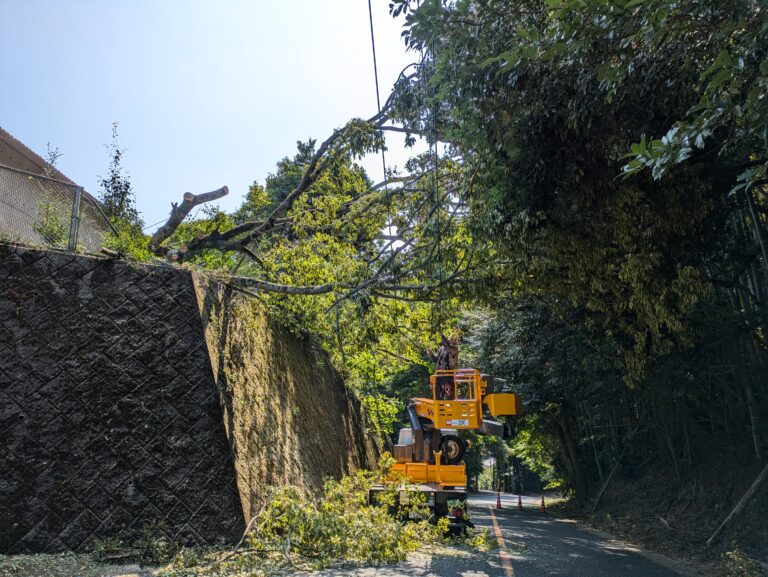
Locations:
(205, 92)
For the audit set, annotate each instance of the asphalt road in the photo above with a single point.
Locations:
(535, 544)
(542, 545)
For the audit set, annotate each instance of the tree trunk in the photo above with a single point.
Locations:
(568, 448)
(608, 481)
(759, 231)
(686, 434)
(754, 420)
(663, 431)
(752, 406)
(594, 451)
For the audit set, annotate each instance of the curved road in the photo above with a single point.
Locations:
(536, 544)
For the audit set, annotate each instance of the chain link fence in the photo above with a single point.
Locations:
(42, 211)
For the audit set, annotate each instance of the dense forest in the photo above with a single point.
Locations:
(588, 214)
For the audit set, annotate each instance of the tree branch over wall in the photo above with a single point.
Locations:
(178, 213)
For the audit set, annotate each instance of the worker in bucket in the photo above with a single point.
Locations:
(446, 359)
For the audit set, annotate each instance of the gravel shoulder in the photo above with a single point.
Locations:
(64, 565)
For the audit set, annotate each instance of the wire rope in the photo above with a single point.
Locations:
(378, 108)
(436, 184)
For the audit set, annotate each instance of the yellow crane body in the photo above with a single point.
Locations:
(454, 476)
(508, 404)
(430, 452)
(458, 397)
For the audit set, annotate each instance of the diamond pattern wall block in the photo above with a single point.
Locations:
(109, 413)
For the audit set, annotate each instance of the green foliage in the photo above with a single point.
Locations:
(53, 216)
(581, 420)
(564, 375)
(333, 239)
(152, 545)
(481, 540)
(119, 204)
(104, 549)
(537, 448)
(736, 563)
(289, 172)
(530, 94)
(481, 447)
(486, 480)
(209, 219)
(117, 196)
(382, 411)
(130, 242)
(155, 545)
(255, 205)
(52, 224)
(339, 526)
(727, 67)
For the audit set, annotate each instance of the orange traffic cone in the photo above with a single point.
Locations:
(543, 506)
(519, 503)
(498, 499)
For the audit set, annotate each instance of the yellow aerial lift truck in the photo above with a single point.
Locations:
(429, 453)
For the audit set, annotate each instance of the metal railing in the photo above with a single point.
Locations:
(40, 210)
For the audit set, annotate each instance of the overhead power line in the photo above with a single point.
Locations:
(378, 107)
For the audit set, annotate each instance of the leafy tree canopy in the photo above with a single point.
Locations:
(551, 103)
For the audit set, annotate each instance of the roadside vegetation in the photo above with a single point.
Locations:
(292, 531)
(297, 531)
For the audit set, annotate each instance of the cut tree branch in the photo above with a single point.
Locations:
(316, 166)
(426, 133)
(226, 241)
(178, 213)
(282, 288)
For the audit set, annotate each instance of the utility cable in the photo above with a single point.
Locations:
(378, 108)
(436, 185)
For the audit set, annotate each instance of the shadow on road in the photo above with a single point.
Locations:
(540, 544)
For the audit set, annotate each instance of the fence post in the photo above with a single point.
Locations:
(75, 224)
